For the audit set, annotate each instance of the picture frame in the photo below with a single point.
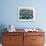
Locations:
(26, 14)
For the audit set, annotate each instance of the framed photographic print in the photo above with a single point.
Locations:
(26, 14)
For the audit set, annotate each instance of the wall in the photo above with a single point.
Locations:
(9, 12)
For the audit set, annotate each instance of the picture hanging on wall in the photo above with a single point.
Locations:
(26, 14)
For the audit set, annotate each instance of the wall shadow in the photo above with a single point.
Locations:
(2, 29)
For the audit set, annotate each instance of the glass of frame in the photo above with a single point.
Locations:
(26, 14)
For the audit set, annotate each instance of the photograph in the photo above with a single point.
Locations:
(26, 14)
